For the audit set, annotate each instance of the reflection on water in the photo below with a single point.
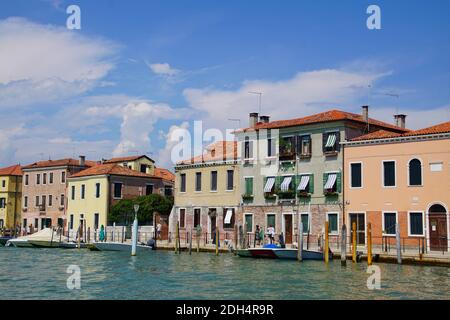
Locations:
(41, 274)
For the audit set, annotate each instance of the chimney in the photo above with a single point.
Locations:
(264, 119)
(400, 120)
(253, 119)
(365, 113)
(82, 161)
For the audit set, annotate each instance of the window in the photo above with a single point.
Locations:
(73, 193)
(436, 166)
(3, 183)
(36, 223)
(63, 177)
(183, 182)
(416, 224)
(50, 200)
(287, 148)
(44, 178)
(389, 173)
(228, 218)
(43, 203)
(83, 191)
(71, 222)
(305, 222)
(268, 185)
(117, 190)
(62, 200)
(249, 222)
(25, 202)
(248, 148)
(96, 219)
(148, 189)
(249, 186)
(331, 142)
(50, 178)
(213, 180)
(2, 203)
(271, 220)
(197, 217)
(305, 183)
(304, 145)
(97, 190)
(389, 222)
(38, 178)
(60, 222)
(36, 201)
(26, 179)
(168, 191)
(182, 217)
(270, 144)
(25, 223)
(356, 175)
(198, 181)
(415, 172)
(143, 168)
(332, 182)
(230, 180)
(332, 219)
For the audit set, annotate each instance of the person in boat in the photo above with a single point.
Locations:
(271, 234)
(101, 236)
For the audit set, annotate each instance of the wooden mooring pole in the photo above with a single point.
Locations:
(300, 242)
(326, 249)
(397, 238)
(176, 237)
(369, 244)
(190, 242)
(344, 245)
(354, 242)
(217, 241)
(235, 239)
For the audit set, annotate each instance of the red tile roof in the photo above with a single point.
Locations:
(111, 169)
(165, 174)
(15, 170)
(59, 163)
(125, 159)
(327, 116)
(382, 134)
(217, 151)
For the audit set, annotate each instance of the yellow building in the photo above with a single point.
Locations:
(207, 191)
(93, 191)
(140, 163)
(10, 196)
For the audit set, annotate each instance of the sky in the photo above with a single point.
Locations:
(137, 71)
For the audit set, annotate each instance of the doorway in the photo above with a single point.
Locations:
(288, 228)
(212, 222)
(360, 220)
(437, 226)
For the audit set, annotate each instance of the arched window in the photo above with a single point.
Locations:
(415, 172)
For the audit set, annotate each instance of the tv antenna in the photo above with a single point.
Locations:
(260, 98)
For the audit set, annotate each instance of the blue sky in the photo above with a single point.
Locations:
(137, 70)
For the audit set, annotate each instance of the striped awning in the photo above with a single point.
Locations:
(269, 184)
(303, 183)
(228, 216)
(285, 184)
(331, 140)
(330, 181)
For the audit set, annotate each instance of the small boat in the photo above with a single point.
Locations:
(4, 239)
(46, 234)
(118, 246)
(281, 253)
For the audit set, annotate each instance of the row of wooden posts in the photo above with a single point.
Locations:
(300, 243)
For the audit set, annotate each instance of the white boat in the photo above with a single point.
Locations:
(42, 235)
(118, 246)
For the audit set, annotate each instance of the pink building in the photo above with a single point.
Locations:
(400, 179)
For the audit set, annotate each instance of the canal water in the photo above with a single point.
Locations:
(42, 274)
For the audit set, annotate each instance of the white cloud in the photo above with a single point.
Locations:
(162, 69)
(44, 63)
(164, 155)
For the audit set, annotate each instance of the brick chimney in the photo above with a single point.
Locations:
(365, 113)
(400, 120)
(82, 161)
(264, 119)
(253, 119)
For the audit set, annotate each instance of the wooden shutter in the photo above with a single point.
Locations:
(338, 139)
(338, 182)
(311, 183)
(325, 176)
(324, 140)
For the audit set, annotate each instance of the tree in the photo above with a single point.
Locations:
(124, 209)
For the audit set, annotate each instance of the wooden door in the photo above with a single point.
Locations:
(288, 228)
(438, 232)
(360, 221)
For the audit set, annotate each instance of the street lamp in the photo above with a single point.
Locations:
(135, 231)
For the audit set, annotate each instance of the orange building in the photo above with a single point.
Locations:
(400, 179)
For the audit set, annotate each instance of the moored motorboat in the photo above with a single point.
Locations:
(4, 239)
(281, 253)
(118, 246)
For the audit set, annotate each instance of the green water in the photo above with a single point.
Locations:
(41, 274)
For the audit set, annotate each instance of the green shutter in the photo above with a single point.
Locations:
(311, 183)
(250, 186)
(338, 182)
(278, 183)
(265, 181)
(325, 177)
